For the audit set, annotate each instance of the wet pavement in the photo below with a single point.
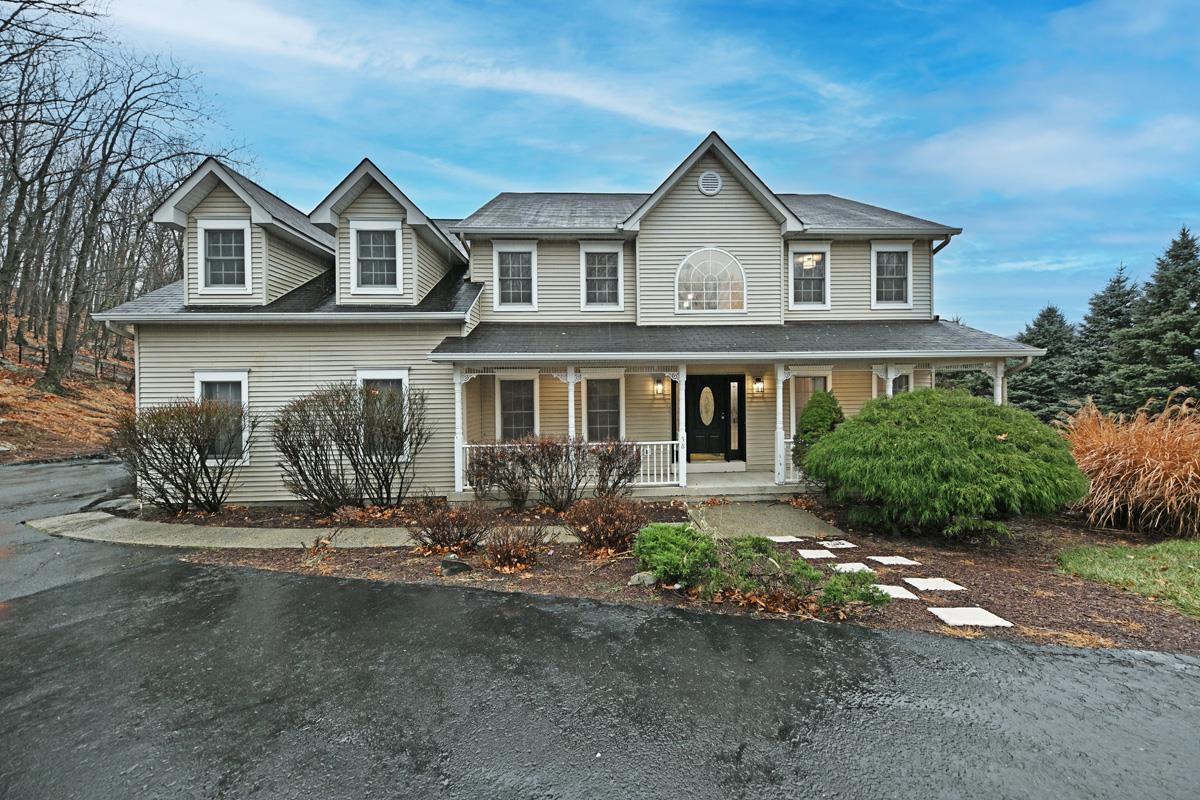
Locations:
(162, 679)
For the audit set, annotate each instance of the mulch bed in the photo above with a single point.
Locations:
(234, 516)
(1017, 580)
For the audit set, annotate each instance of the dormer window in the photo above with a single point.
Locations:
(710, 279)
(514, 276)
(223, 254)
(891, 274)
(376, 256)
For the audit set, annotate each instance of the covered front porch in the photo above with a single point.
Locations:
(705, 427)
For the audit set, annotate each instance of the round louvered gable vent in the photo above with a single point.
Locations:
(709, 182)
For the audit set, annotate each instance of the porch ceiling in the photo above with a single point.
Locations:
(577, 342)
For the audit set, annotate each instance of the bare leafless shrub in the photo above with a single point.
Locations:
(1144, 470)
(504, 467)
(315, 468)
(606, 525)
(616, 466)
(558, 469)
(184, 454)
(443, 528)
(515, 548)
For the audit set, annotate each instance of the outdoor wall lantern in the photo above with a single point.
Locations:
(759, 386)
(658, 386)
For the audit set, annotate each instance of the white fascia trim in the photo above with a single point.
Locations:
(186, 318)
(395, 373)
(201, 376)
(484, 358)
(604, 374)
(745, 309)
(203, 225)
(806, 246)
(396, 225)
(502, 375)
(514, 246)
(892, 246)
(610, 246)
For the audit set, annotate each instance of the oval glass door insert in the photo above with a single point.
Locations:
(708, 405)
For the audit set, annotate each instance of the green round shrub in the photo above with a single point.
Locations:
(945, 462)
(676, 552)
(820, 415)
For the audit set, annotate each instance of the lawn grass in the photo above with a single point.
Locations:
(1168, 571)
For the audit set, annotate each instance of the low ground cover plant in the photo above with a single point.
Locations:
(676, 553)
(605, 525)
(1144, 469)
(820, 415)
(1165, 571)
(944, 462)
(184, 454)
(443, 528)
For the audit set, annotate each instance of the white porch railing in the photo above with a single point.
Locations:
(659, 462)
(792, 473)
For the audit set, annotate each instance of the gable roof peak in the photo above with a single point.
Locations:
(788, 221)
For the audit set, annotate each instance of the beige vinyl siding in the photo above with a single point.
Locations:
(558, 286)
(374, 204)
(474, 316)
(647, 416)
(852, 386)
(286, 361)
(222, 203)
(432, 265)
(289, 266)
(686, 220)
(850, 285)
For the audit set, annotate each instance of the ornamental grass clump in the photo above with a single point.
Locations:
(1144, 470)
(945, 463)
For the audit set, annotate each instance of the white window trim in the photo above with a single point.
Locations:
(879, 372)
(891, 246)
(617, 247)
(514, 246)
(400, 373)
(203, 225)
(808, 371)
(809, 247)
(201, 376)
(356, 225)
(519, 375)
(745, 309)
(604, 374)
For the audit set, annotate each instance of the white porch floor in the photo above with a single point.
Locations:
(750, 485)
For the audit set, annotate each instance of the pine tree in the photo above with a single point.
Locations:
(1048, 386)
(1110, 310)
(1160, 350)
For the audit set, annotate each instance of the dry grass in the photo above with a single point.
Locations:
(1069, 638)
(1144, 469)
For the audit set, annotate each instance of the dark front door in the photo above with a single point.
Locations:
(715, 429)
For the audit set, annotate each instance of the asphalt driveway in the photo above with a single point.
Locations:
(155, 678)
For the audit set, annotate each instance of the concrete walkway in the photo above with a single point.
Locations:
(728, 521)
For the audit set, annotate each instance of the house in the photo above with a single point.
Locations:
(695, 320)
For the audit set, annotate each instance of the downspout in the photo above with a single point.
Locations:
(944, 242)
(1013, 370)
(123, 332)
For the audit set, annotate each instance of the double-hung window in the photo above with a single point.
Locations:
(601, 268)
(517, 405)
(383, 394)
(229, 388)
(603, 406)
(514, 276)
(376, 257)
(807, 381)
(809, 275)
(224, 263)
(891, 274)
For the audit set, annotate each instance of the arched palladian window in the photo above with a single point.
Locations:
(710, 280)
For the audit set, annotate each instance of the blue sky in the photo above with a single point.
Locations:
(1063, 137)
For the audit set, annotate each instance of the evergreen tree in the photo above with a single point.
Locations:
(1049, 385)
(1110, 310)
(1160, 350)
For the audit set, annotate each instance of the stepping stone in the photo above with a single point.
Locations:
(853, 566)
(837, 544)
(896, 592)
(934, 585)
(895, 561)
(972, 616)
(814, 554)
(785, 539)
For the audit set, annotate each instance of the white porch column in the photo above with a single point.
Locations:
(998, 383)
(458, 429)
(680, 405)
(570, 402)
(780, 464)
(890, 379)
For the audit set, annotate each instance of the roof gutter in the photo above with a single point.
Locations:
(305, 317)
(118, 329)
(564, 232)
(879, 232)
(836, 355)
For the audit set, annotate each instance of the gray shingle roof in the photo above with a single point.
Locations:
(543, 341)
(452, 296)
(604, 211)
(444, 225)
(280, 209)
